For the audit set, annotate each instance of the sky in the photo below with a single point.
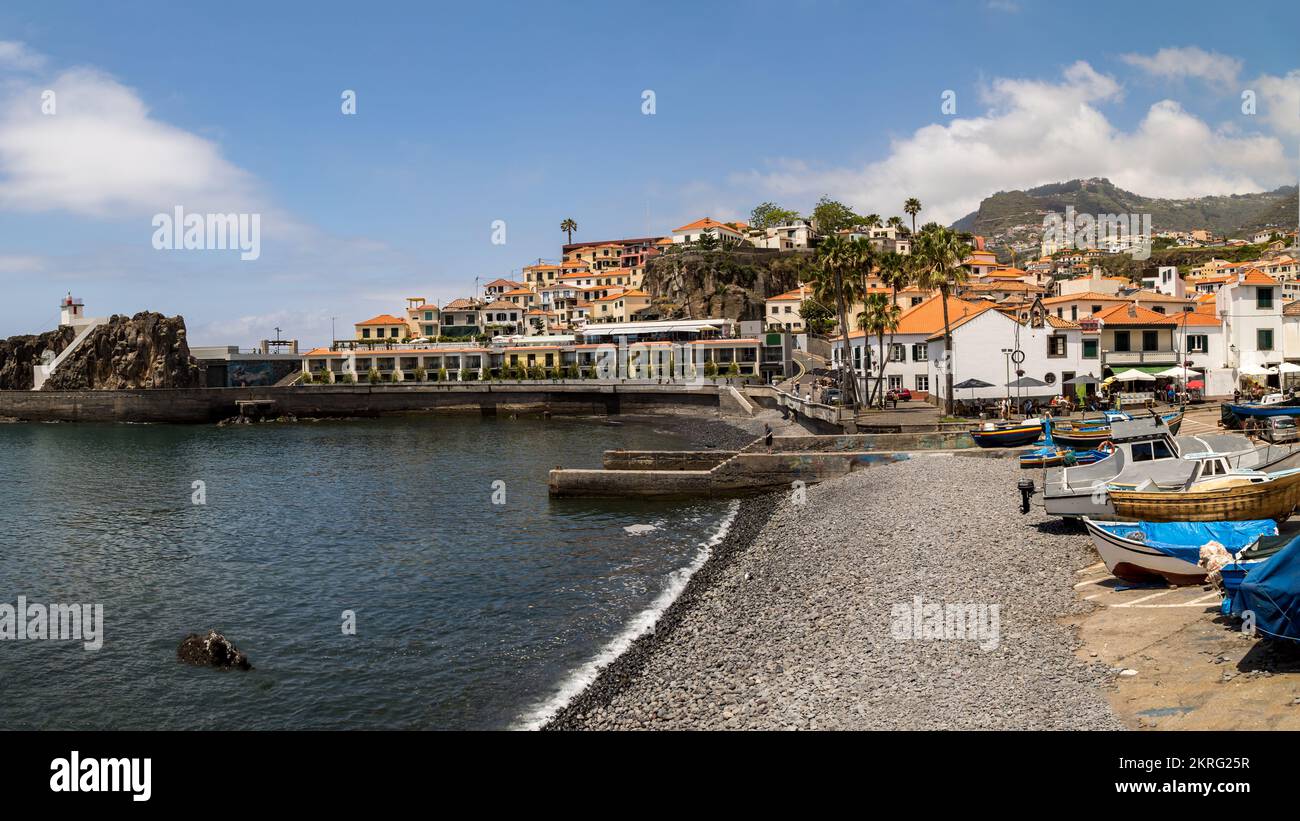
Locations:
(479, 127)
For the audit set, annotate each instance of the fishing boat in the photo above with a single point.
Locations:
(1046, 457)
(1007, 434)
(1274, 404)
(1235, 496)
(1089, 432)
(1147, 551)
(1146, 450)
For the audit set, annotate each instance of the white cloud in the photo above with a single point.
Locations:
(101, 154)
(1189, 62)
(1036, 132)
(1279, 102)
(17, 56)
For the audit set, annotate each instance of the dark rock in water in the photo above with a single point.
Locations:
(19, 353)
(147, 350)
(212, 650)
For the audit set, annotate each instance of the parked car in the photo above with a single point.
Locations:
(1279, 429)
(905, 395)
(831, 397)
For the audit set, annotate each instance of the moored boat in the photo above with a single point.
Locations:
(1007, 434)
(1234, 496)
(1145, 551)
(1090, 432)
(1271, 592)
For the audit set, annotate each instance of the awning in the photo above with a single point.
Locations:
(1152, 369)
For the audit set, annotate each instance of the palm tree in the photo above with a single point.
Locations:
(894, 222)
(568, 227)
(913, 207)
(871, 220)
(879, 315)
(834, 261)
(939, 255)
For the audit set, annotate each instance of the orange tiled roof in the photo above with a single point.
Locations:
(709, 223)
(383, 319)
(927, 317)
(1132, 314)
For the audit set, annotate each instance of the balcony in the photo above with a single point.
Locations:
(1130, 358)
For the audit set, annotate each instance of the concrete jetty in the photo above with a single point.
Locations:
(756, 467)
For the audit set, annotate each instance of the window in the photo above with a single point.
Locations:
(379, 332)
(428, 316)
(897, 352)
(922, 382)
(1096, 309)
(1150, 340)
(1074, 313)
(895, 383)
(789, 309)
(1089, 349)
(1264, 339)
(920, 352)
(1122, 341)
(1264, 298)
(1056, 345)
(365, 333)
(1198, 343)
(1160, 309)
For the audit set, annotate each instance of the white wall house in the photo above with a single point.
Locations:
(692, 232)
(1251, 311)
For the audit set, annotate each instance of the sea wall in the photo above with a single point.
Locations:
(205, 405)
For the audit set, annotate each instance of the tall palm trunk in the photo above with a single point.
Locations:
(880, 377)
(848, 379)
(947, 352)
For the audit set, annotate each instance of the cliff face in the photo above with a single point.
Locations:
(147, 350)
(716, 284)
(19, 353)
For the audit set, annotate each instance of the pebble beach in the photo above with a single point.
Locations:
(793, 622)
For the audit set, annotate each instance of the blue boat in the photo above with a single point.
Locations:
(1271, 593)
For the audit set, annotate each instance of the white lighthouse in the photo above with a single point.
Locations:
(72, 311)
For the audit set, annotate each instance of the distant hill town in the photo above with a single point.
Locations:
(1014, 219)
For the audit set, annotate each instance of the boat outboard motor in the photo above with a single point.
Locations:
(1026, 488)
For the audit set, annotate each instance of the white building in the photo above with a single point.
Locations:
(787, 236)
(693, 232)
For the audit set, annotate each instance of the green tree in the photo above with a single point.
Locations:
(817, 318)
(710, 370)
(768, 214)
(420, 374)
(939, 254)
(831, 216)
(568, 227)
(373, 376)
(833, 282)
(442, 375)
(707, 242)
(879, 315)
(733, 370)
(912, 207)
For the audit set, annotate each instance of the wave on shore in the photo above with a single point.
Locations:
(640, 624)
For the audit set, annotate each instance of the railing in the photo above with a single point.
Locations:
(1140, 357)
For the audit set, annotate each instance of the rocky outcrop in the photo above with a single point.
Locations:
(147, 350)
(18, 354)
(733, 284)
(212, 650)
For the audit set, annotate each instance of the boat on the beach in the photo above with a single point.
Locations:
(1271, 592)
(1234, 496)
(1087, 433)
(1045, 457)
(1146, 451)
(1007, 434)
(1147, 551)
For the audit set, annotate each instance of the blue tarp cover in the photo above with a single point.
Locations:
(1183, 540)
(1272, 592)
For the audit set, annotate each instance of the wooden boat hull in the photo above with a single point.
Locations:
(1008, 437)
(1035, 460)
(1089, 436)
(1135, 562)
(1265, 500)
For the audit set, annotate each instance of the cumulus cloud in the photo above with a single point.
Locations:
(101, 153)
(1189, 62)
(1279, 102)
(1035, 132)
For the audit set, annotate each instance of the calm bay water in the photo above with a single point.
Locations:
(468, 613)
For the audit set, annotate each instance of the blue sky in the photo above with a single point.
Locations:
(529, 113)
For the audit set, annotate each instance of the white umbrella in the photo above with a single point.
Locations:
(1256, 370)
(1184, 373)
(1288, 367)
(1133, 375)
